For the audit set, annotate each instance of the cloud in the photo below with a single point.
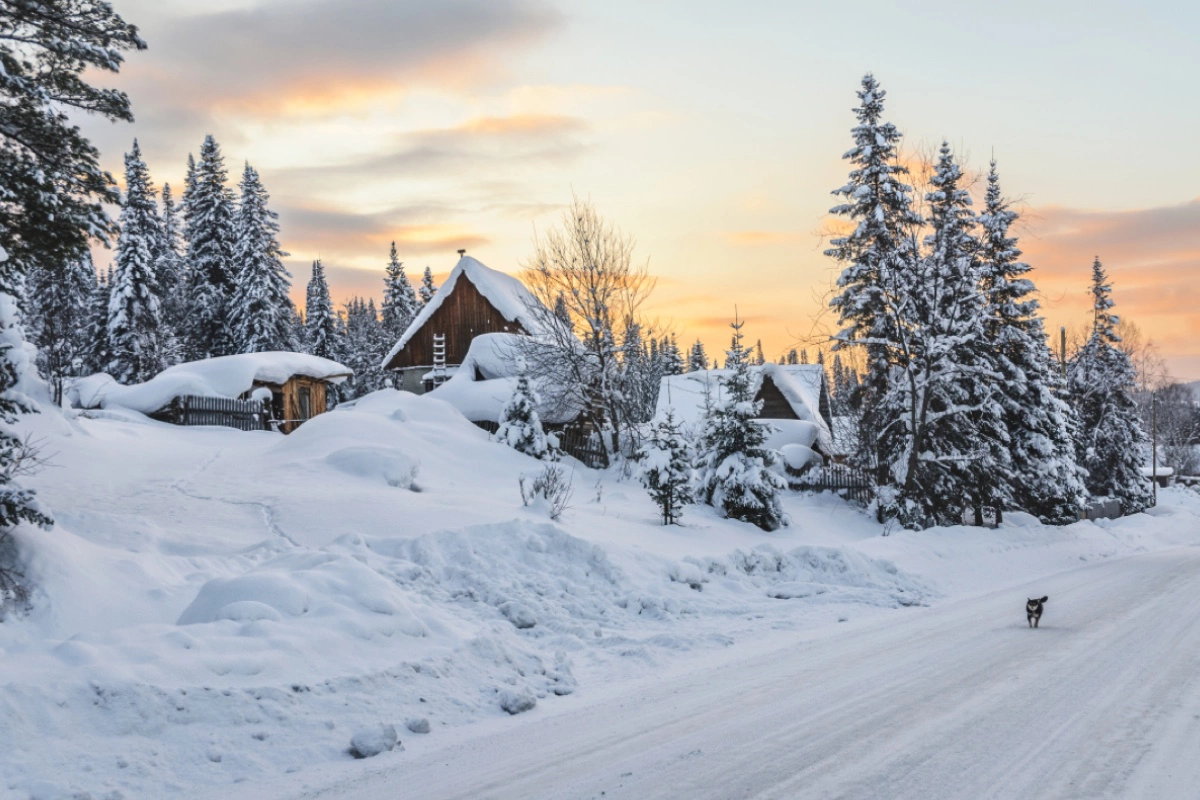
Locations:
(269, 54)
(470, 148)
(347, 235)
(1152, 257)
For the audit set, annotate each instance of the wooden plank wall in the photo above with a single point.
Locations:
(775, 405)
(462, 316)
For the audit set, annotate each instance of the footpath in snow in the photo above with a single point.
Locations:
(219, 610)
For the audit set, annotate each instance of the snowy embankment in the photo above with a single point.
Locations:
(217, 606)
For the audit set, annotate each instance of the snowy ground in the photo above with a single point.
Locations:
(220, 608)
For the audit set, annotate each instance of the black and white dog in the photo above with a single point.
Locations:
(1033, 610)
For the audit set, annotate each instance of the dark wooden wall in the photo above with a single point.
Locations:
(775, 405)
(461, 317)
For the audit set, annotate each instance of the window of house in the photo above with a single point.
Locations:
(304, 395)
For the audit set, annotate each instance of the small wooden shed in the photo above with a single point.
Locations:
(251, 391)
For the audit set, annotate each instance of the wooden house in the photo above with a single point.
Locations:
(474, 300)
(250, 391)
(795, 402)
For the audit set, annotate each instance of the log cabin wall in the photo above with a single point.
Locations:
(462, 316)
(775, 405)
(288, 400)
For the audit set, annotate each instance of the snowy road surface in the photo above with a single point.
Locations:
(957, 701)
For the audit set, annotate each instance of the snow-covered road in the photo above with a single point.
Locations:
(957, 701)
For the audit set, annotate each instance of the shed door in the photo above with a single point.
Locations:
(305, 397)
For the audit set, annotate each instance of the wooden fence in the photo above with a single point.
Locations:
(575, 441)
(837, 478)
(245, 415)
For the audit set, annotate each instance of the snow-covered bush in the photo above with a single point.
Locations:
(549, 490)
(736, 470)
(666, 470)
(520, 426)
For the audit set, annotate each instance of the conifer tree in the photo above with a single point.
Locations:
(792, 357)
(520, 426)
(561, 312)
(666, 470)
(98, 353)
(736, 469)
(1101, 380)
(363, 349)
(320, 323)
(170, 269)
(759, 358)
(428, 290)
(877, 256)
(61, 305)
(1045, 477)
(135, 330)
(399, 299)
(260, 312)
(697, 358)
(211, 272)
(939, 431)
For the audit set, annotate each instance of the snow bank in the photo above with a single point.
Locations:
(225, 376)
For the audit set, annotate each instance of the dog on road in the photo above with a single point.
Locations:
(1033, 610)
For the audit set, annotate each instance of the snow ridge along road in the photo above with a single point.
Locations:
(958, 701)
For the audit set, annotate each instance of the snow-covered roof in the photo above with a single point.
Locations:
(511, 298)
(495, 357)
(225, 376)
(690, 393)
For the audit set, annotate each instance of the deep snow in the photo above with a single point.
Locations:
(217, 607)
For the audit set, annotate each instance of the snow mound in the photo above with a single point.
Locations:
(374, 740)
(323, 585)
(385, 464)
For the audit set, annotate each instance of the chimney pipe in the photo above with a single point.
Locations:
(462, 252)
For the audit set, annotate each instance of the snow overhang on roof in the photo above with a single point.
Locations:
(225, 376)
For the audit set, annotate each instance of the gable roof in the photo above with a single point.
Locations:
(225, 376)
(507, 294)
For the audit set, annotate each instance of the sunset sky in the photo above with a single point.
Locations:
(710, 131)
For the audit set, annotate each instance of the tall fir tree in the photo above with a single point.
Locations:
(320, 323)
(665, 468)
(673, 362)
(697, 358)
(260, 314)
(428, 290)
(61, 304)
(98, 353)
(211, 271)
(1101, 379)
(399, 299)
(363, 348)
(136, 335)
(171, 270)
(1045, 476)
(736, 471)
(878, 255)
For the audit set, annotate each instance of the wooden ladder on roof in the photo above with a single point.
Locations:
(439, 360)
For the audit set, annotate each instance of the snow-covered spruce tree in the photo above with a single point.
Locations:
(97, 353)
(520, 426)
(877, 257)
(135, 329)
(1100, 380)
(320, 323)
(171, 269)
(759, 357)
(211, 269)
(17, 505)
(260, 314)
(666, 468)
(736, 472)
(61, 304)
(673, 363)
(936, 426)
(697, 358)
(399, 299)
(428, 290)
(363, 349)
(1045, 477)
(640, 375)
(52, 190)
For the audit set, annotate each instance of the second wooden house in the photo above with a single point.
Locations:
(474, 300)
